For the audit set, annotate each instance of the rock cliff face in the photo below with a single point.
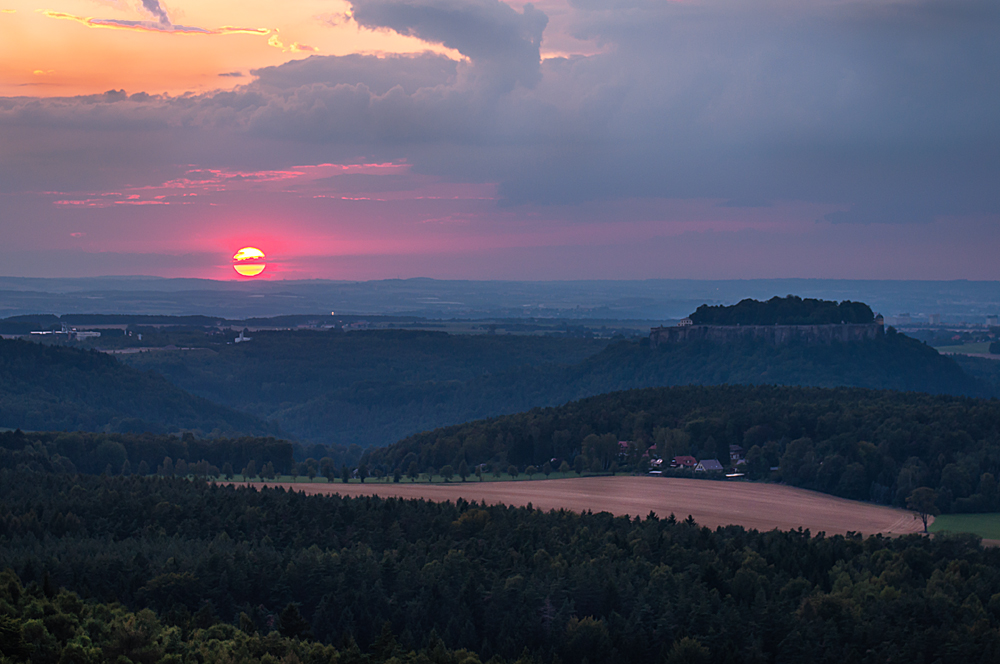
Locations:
(773, 334)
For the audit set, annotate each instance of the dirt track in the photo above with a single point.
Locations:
(760, 506)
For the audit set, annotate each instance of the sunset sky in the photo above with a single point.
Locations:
(478, 139)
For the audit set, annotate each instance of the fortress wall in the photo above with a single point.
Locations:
(772, 334)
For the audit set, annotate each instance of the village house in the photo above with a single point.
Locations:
(623, 449)
(708, 466)
(684, 462)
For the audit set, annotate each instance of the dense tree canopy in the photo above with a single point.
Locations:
(862, 444)
(48, 626)
(507, 582)
(790, 310)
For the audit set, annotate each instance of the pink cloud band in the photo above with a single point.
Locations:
(151, 26)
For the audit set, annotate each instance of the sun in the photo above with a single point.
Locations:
(249, 261)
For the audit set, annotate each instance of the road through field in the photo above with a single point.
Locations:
(760, 506)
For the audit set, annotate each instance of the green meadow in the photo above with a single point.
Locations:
(986, 526)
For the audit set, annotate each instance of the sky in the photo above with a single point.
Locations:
(479, 139)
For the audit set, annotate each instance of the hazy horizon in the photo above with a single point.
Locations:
(653, 299)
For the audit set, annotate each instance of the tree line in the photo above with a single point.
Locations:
(171, 455)
(280, 567)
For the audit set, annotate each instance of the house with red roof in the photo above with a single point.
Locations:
(684, 462)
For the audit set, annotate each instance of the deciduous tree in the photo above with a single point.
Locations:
(923, 501)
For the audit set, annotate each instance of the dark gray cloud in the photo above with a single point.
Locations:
(502, 43)
(154, 8)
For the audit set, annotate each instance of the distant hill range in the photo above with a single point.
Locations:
(54, 388)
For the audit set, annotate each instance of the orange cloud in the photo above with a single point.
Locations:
(296, 47)
(150, 26)
(232, 30)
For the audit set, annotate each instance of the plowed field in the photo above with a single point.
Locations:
(759, 506)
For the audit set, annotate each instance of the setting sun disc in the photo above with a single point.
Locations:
(249, 262)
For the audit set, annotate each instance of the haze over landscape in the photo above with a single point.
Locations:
(465, 331)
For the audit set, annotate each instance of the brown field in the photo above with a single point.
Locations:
(760, 506)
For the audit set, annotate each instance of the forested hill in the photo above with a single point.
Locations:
(861, 444)
(55, 388)
(894, 362)
(373, 388)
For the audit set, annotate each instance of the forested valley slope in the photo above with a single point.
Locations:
(44, 387)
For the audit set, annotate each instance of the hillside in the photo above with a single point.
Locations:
(985, 370)
(373, 388)
(894, 362)
(855, 443)
(367, 387)
(54, 388)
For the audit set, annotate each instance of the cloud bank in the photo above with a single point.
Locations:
(873, 113)
(502, 43)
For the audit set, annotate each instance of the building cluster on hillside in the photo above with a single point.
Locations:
(685, 462)
(70, 333)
